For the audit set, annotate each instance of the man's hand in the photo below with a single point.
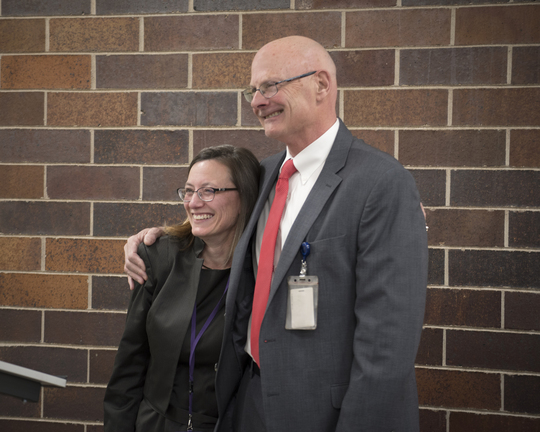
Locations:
(134, 266)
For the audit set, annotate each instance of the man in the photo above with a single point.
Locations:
(341, 358)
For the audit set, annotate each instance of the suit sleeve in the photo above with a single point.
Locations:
(125, 389)
(391, 279)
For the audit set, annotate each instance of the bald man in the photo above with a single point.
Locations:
(335, 349)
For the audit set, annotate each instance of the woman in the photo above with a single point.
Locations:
(159, 382)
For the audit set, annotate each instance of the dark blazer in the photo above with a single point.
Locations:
(148, 357)
(355, 372)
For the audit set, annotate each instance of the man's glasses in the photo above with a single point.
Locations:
(205, 193)
(270, 89)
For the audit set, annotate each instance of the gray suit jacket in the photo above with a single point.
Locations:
(355, 372)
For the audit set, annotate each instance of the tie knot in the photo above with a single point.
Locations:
(288, 170)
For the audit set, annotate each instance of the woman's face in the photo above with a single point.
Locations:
(212, 221)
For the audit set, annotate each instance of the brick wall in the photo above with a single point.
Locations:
(103, 103)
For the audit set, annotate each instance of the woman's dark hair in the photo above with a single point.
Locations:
(244, 169)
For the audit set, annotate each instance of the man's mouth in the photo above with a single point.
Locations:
(274, 114)
(202, 216)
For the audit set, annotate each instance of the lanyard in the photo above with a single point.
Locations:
(194, 341)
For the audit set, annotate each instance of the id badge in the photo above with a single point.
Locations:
(302, 303)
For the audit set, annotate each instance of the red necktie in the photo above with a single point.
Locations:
(266, 256)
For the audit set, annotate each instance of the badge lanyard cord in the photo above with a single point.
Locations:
(194, 341)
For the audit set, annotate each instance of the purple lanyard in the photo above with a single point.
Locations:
(194, 342)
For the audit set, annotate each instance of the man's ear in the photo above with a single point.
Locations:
(323, 84)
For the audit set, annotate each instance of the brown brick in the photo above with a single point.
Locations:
(448, 2)
(45, 7)
(489, 350)
(455, 389)
(524, 229)
(432, 421)
(521, 394)
(494, 268)
(467, 422)
(92, 109)
(256, 141)
(452, 148)
(395, 107)
(84, 328)
(106, 7)
(525, 148)
(22, 109)
(521, 311)
(364, 68)
(13, 407)
(418, 27)
(453, 66)
(496, 107)
(225, 70)
(342, 4)
(160, 184)
(463, 308)
(94, 34)
(191, 32)
(76, 403)
(380, 139)
(248, 117)
(95, 428)
(110, 292)
(128, 219)
(38, 426)
(89, 256)
(141, 147)
(20, 36)
(142, 71)
(20, 325)
(65, 362)
(479, 228)
(189, 108)
(430, 351)
(101, 365)
(22, 254)
(44, 291)
(259, 29)
(21, 181)
(498, 25)
(219, 5)
(436, 267)
(526, 65)
(432, 186)
(86, 182)
(495, 188)
(46, 72)
(44, 146)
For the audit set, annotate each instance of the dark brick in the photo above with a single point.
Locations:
(380, 139)
(95, 428)
(364, 68)
(452, 148)
(525, 148)
(495, 188)
(141, 147)
(494, 268)
(401, 27)
(88, 256)
(63, 362)
(110, 292)
(496, 107)
(432, 186)
(22, 254)
(456, 389)
(463, 308)
(259, 29)
(342, 4)
(76, 403)
(45, 7)
(432, 421)
(44, 218)
(106, 7)
(448, 2)
(86, 182)
(521, 394)
(525, 65)
(22, 109)
(237, 5)
(480, 228)
(44, 146)
(24, 181)
(15, 407)
(467, 422)
(248, 117)
(101, 365)
(395, 107)
(436, 267)
(18, 36)
(160, 184)
(430, 351)
(128, 219)
(223, 70)
(521, 311)
(191, 32)
(38, 426)
(453, 66)
(189, 109)
(142, 71)
(20, 325)
(524, 229)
